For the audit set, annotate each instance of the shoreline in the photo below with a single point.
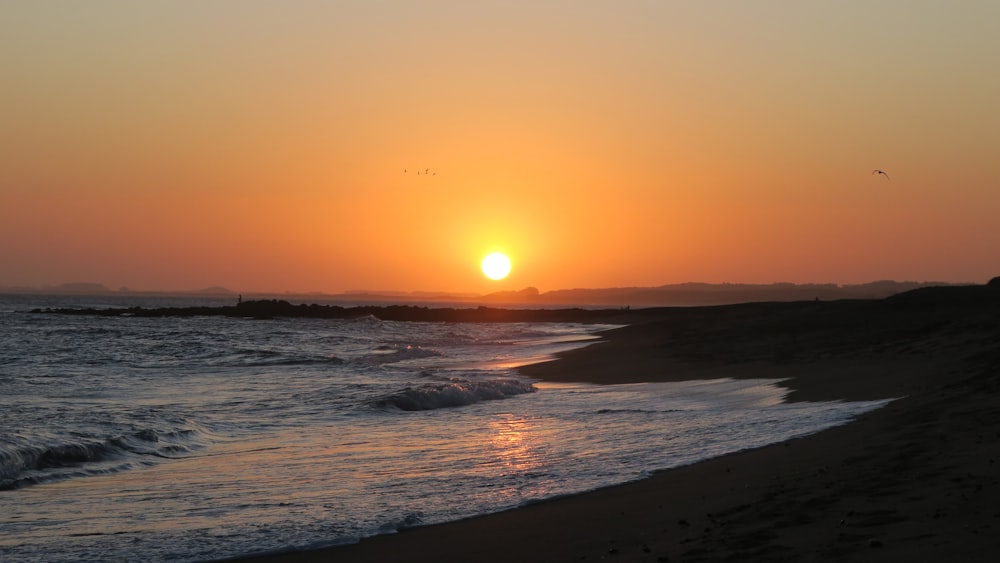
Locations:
(914, 480)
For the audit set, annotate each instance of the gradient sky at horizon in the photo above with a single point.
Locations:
(261, 146)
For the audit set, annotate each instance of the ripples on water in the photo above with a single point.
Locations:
(201, 438)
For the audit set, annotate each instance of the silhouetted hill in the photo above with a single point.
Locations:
(948, 295)
(690, 294)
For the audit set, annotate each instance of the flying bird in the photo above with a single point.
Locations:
(882, 172)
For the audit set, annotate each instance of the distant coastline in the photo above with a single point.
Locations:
(673, 295)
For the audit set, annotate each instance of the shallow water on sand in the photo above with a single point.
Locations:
(125, 438)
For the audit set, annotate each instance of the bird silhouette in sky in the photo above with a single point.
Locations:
(425, 172)
(882, 172)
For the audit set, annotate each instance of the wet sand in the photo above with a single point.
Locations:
(914, 481)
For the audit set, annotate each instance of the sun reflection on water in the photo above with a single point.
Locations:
(514, 442)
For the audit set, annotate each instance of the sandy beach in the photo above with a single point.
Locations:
(914, 481)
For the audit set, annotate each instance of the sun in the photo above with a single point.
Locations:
(496, 266)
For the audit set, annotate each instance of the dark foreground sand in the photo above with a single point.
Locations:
(914, 481)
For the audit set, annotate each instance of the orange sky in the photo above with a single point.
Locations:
(260, 146)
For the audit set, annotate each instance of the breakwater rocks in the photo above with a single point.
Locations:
(275, 308)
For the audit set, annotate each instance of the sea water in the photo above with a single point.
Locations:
(187, 439)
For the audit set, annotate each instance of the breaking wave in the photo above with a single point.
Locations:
(23, 464)
(453, 393)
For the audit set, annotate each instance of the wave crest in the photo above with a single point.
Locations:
(29, 464)
(454, 393)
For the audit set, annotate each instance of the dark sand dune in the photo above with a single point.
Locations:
(914, 481)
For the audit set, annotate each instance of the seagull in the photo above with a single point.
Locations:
(882, 172)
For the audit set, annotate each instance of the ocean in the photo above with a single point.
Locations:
(192, 439)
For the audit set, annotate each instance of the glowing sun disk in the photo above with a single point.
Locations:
(496, 266)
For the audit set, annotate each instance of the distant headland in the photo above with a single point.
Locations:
(682, 294)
